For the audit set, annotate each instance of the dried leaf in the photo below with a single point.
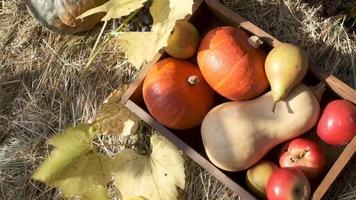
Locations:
(86, 177)
(114, 118)
(69, 145)
(153, 176)
(138, 198)
(140, 47)
(73, 167)
(115, 9)
(85, 173)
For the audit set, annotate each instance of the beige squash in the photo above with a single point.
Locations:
(237, 135)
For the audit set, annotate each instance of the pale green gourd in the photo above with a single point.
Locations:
(236, 135)
(60, 15)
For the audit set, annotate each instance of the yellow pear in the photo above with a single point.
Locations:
(183, 41)
(285, 66)
(258, 175)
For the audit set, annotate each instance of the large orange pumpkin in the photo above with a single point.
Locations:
(176, 94)
(230, 65)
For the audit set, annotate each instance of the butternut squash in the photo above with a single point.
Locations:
(237, 135)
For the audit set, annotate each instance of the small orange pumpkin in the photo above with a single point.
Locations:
(176, 94)
(230, 65)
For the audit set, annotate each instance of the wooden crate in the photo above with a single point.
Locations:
(206, 15)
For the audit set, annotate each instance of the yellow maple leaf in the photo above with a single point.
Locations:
(69, 145)
(115, 9)
(86, 177)
(141, 47)
(73, 167)
(78, 170)
(154, 176)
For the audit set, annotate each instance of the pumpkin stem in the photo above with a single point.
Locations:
(255, 41)
(319, 90)
(193, 79)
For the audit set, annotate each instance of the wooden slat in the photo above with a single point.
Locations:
(141, 76)
(189, 151)
(339, 87)
(232, 18)
(335, 170)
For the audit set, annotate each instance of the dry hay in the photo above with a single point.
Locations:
(41, 91)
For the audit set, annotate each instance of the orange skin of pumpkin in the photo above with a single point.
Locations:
(171, 99)
(230, 65)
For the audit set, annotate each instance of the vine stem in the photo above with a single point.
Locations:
(98, 39)
(98, 47)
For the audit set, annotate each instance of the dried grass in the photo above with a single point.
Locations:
(41, 91)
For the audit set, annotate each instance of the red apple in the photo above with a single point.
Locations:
(288, 184)
(337, 124)
(303, 154)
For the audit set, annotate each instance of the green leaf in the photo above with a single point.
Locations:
(153, 176)
(115, 9)
(69, 145)
(141, 47)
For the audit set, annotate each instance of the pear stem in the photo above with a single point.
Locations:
(319, 90)
(274, 106)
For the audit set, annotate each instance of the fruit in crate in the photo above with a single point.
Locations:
(183, 41)
(337, 124)
(258, 175)
(230, 65)
(60, 15)
(288, 184)
(176, 94)
(303, 154)
(286, 66)
(236, 135)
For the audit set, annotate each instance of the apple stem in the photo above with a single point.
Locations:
(300, 156)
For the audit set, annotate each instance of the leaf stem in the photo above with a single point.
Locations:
(97, 48)
(98, 39)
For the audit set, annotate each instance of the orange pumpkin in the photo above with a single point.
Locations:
(176, 94)
(230, 65)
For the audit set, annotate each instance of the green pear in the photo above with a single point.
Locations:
(285, 66)
(258, 175)
(183, 41)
